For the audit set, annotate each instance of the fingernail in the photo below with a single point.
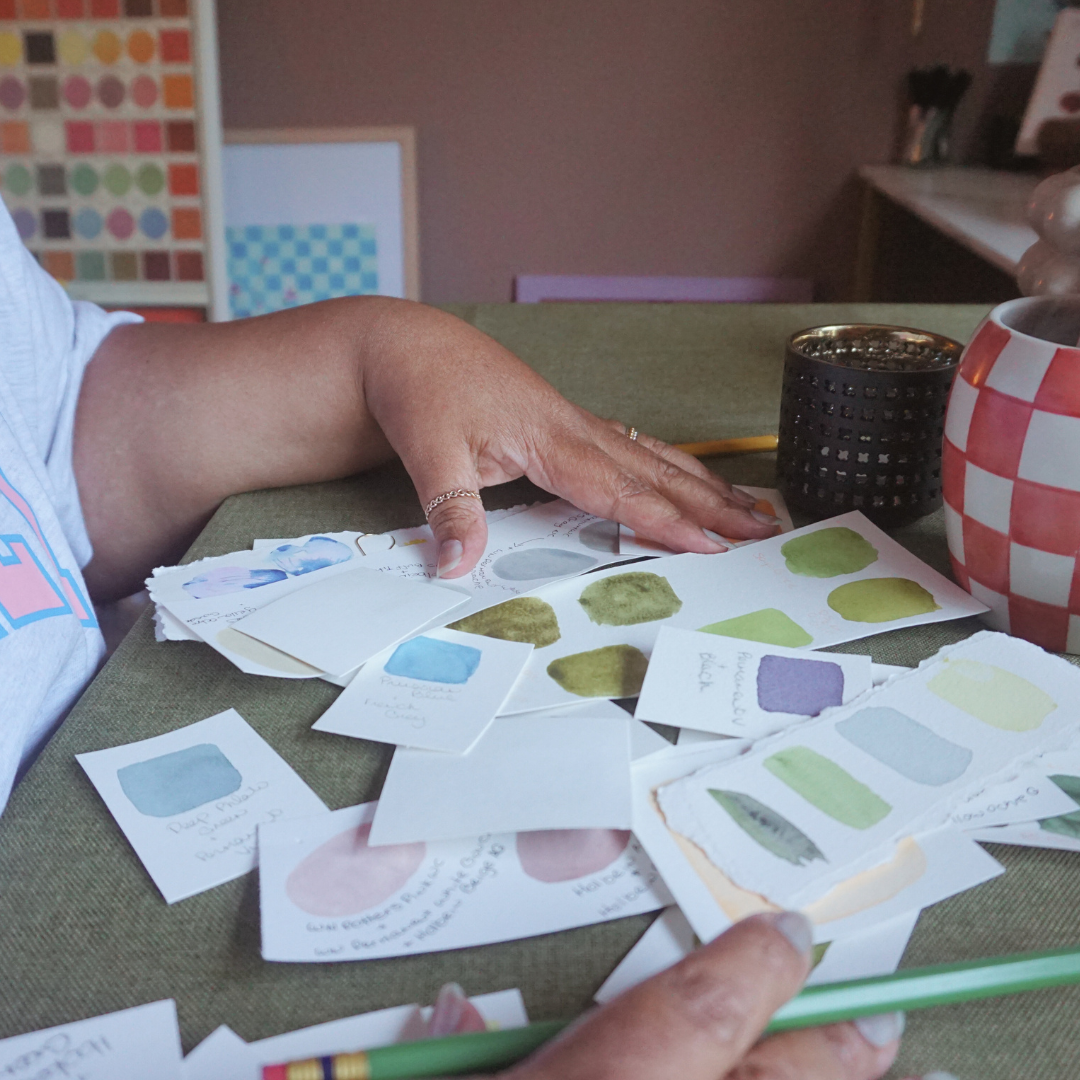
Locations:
(449, 1006)
(765, 519)
(450, 552)
(743, 496)
(797, 928)
(881, 1030)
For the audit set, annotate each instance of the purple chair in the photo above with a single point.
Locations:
(535, 288)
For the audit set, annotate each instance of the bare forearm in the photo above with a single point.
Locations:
(172, 419)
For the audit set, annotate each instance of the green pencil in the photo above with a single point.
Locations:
(916, 988)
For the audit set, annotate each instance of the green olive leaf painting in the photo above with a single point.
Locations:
(768, 828)
(525, 618)
(627, 599)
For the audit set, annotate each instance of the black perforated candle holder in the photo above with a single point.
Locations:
(862, 417)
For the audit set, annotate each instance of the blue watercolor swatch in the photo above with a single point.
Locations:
(223, 580)
(319, 551)
(434, 661)
(906, 746)
(178, 782)
(801, 687)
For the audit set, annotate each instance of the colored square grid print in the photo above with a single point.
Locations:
(280, 266)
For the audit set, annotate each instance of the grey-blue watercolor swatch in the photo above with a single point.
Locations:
(905, 745)
(529, 564)
(178, 782)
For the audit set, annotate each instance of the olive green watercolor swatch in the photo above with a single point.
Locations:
(766, 827)
(991, 694)
(1065, 824)
(877, 600)
(769, 625)
(824, 784)
(525, 618)
(829, 553)
(613, 671)
(627, 599)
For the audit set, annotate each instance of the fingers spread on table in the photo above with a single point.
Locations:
(694, 1021)
(837, 1052)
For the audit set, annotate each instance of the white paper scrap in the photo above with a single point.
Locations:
(829, 583)
(336, 625)
(222, 1055)
(526, 773)
(128, 1045)
(326, 895)
(743, 688)
(438, 691)
(1031, 796)
(830, 797)
(190, 801)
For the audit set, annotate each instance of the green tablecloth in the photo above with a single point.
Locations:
(83, 930)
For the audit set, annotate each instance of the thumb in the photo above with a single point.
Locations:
(457, 516)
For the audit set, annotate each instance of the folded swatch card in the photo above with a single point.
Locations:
(557, 771)
(821, 801)
(128, 1045)
(438, 691)
(338, 624)
(743, 688)
(326, 895)
(916, 872)
(831, 582)
(190, 801)
(1030, 796)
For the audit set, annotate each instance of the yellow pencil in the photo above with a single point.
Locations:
(753, 445)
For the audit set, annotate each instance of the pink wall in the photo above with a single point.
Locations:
(689, 137)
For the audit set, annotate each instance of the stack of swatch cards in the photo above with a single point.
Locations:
(522, 798)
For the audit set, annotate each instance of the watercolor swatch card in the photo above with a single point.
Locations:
(326, 895)
(526, 773)
(743, 688)
(190, 801)
(832, 582)
(918, 872)
(439, 691)
(769, 501)
(1028, 797)
(1060, 831)
(671, 938)
(338, 624)
(127, 1045)
(809, 807)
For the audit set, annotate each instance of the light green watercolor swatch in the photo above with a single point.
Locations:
(1065, 824)
(627, 599)
(766, 827)
(525, 618)
(829, 553)
(769, 625)
(991, 694)
(881, 599)
(833, 790)
(613, 671)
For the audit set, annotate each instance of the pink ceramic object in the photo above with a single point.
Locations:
(1011, 470)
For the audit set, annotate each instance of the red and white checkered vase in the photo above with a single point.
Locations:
(1011, 479)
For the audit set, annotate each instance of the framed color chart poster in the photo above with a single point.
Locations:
(110, 133)
(312, 214)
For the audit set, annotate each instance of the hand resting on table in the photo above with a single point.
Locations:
(172, 419)
(702, 1020)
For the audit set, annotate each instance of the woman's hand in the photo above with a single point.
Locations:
(702, 1020)
(464, 413)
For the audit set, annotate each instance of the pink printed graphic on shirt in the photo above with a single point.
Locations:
(27, 577)
(26, 591)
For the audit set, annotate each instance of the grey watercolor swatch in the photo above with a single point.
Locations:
(905, 745)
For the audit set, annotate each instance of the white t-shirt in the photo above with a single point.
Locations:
(50, 644)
